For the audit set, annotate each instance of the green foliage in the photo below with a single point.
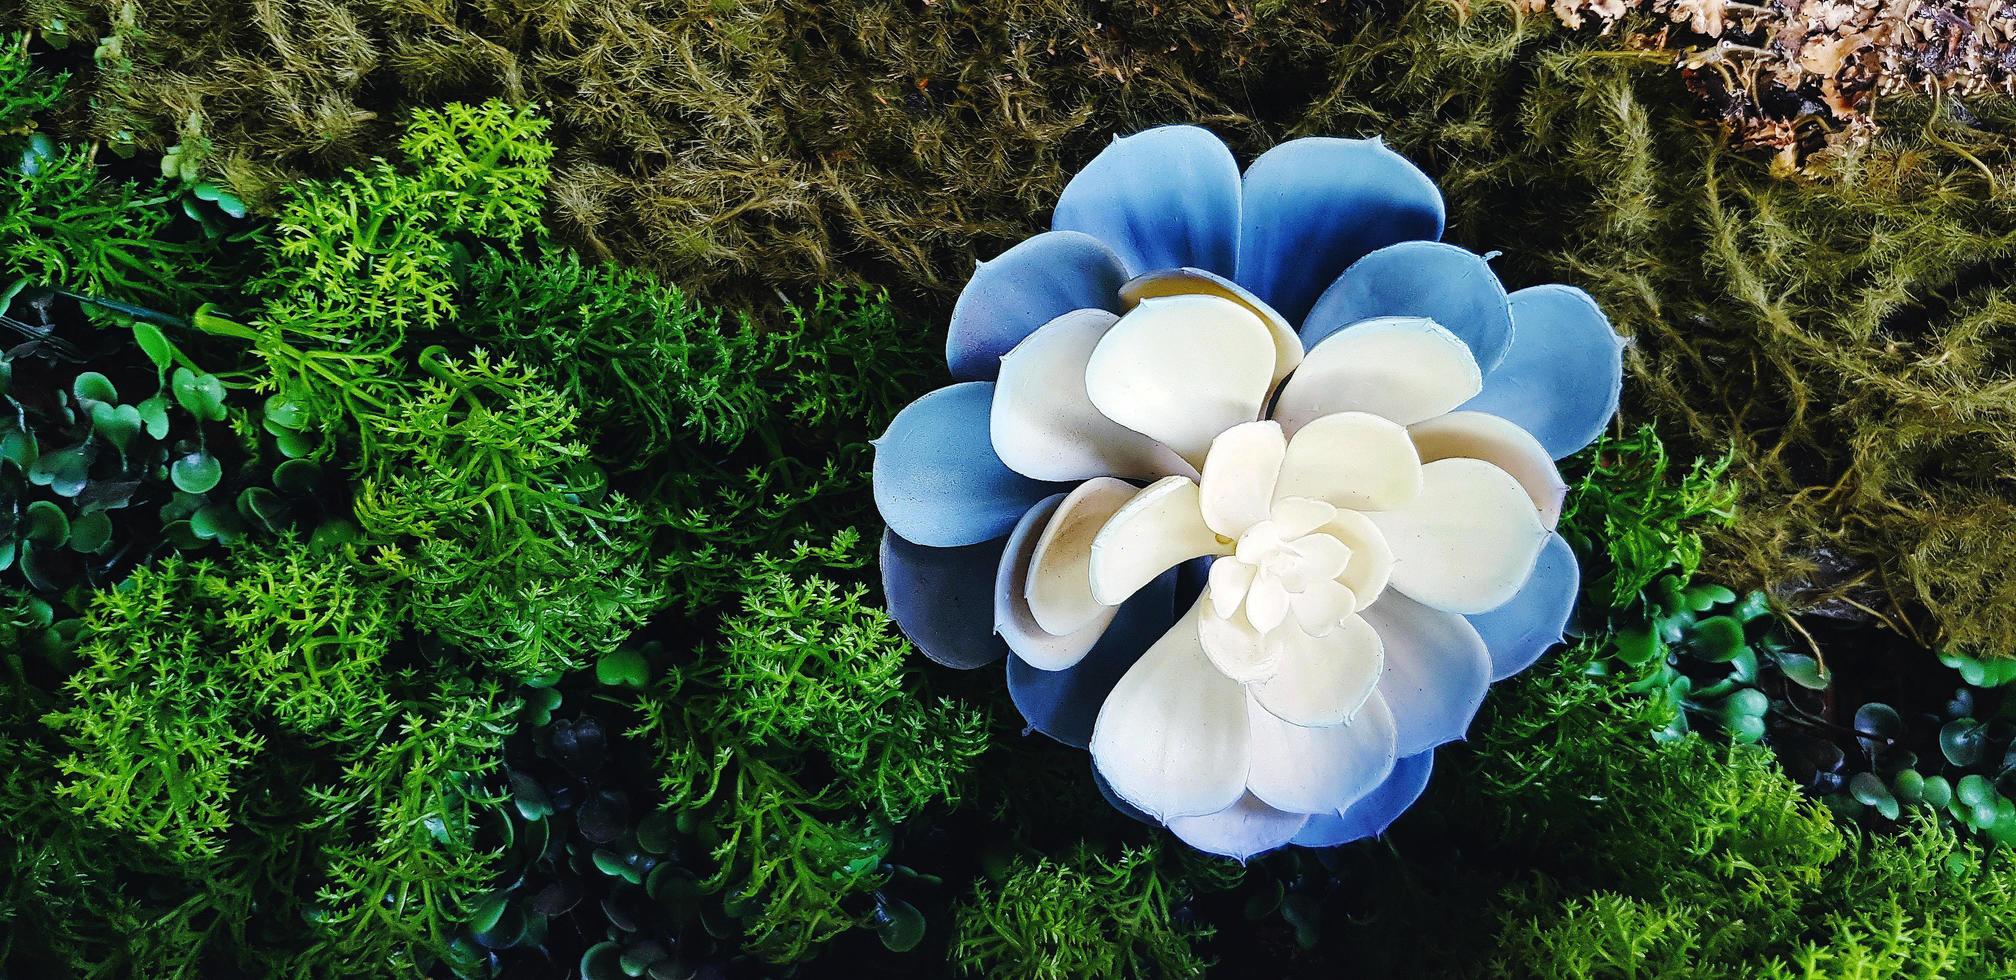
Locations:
(806, 664)
(25, 92)
(411, 815)
(158, 740)
(1631, 508)
(797, 845)
(519, 553)
(359, 262)
(653, 370)
(1083, 916)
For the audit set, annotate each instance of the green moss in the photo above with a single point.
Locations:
(1081, 916)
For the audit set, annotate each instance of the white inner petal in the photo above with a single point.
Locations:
(1043, 424)
(1060, 571)
(1177, 282)
(1237, 489)
(1351, 460)
(1235, 648)
(1404, 369)
(1012, 621)
(1371, 565)
(1172, 737)
(1229, 580)
(1323, 557)
(1322, 607)
(1159, 528)
(1321, 681)
(1182, 369)
(1468, 542)
(1266, 602)
(1297, 516)
(1502, 443)
(1320, 770)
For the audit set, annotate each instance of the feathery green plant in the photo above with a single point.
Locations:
(1081, 916)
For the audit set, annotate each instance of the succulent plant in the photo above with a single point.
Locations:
(116, 446)
(601, 881)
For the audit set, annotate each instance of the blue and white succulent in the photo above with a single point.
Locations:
(1250, 479)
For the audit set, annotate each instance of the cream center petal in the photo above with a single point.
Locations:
(1279, 583)
(1183, 369)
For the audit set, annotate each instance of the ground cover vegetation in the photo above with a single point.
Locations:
(434, 485)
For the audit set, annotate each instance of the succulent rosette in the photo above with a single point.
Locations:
(1251, 481)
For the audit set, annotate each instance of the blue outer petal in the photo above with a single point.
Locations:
(1563, 375)
(1519, 631)
(1023, 288)
(1371, 815)
(1437, 670)
(1314, 206)
(1063, 704)
(943, 598)
(1452, 286)
(937, 480)
(1164, 198)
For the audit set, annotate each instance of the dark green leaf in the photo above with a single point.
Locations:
(623, 668)
(154, 343)
(1718, 639)
(899, 924)
(91, 386)
(297, 476)
(45, 523)
(1960, 741)
(91, 533)
(154, 415)
(197, 472)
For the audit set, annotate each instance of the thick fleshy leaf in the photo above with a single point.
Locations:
(1314, 206)
(1322, 608)
(1059, 587)
(1237, 489)
(1163, 198)
(1181, 369)
(1172, 737)
(1320, 770)
(1042, 278)
(1370, 816)
(1468, 541)
(1229, 581)
(1161, 527)
(937, 480)
(1403, 369)
(1240, 831)
(1045, 427)
(1352, 460)
(1519, 631)
(1237, 649)
(1113, 799)
(1321, 681)
(1266, 603)
(1371, 564)
(1562, 376)
(1437, 671)
(1495, 440)
(1063, 703)
(1012, 619)
(1178, 282)
(1452, 286)
(943, 599)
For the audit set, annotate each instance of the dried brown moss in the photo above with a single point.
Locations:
(1851, 331)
